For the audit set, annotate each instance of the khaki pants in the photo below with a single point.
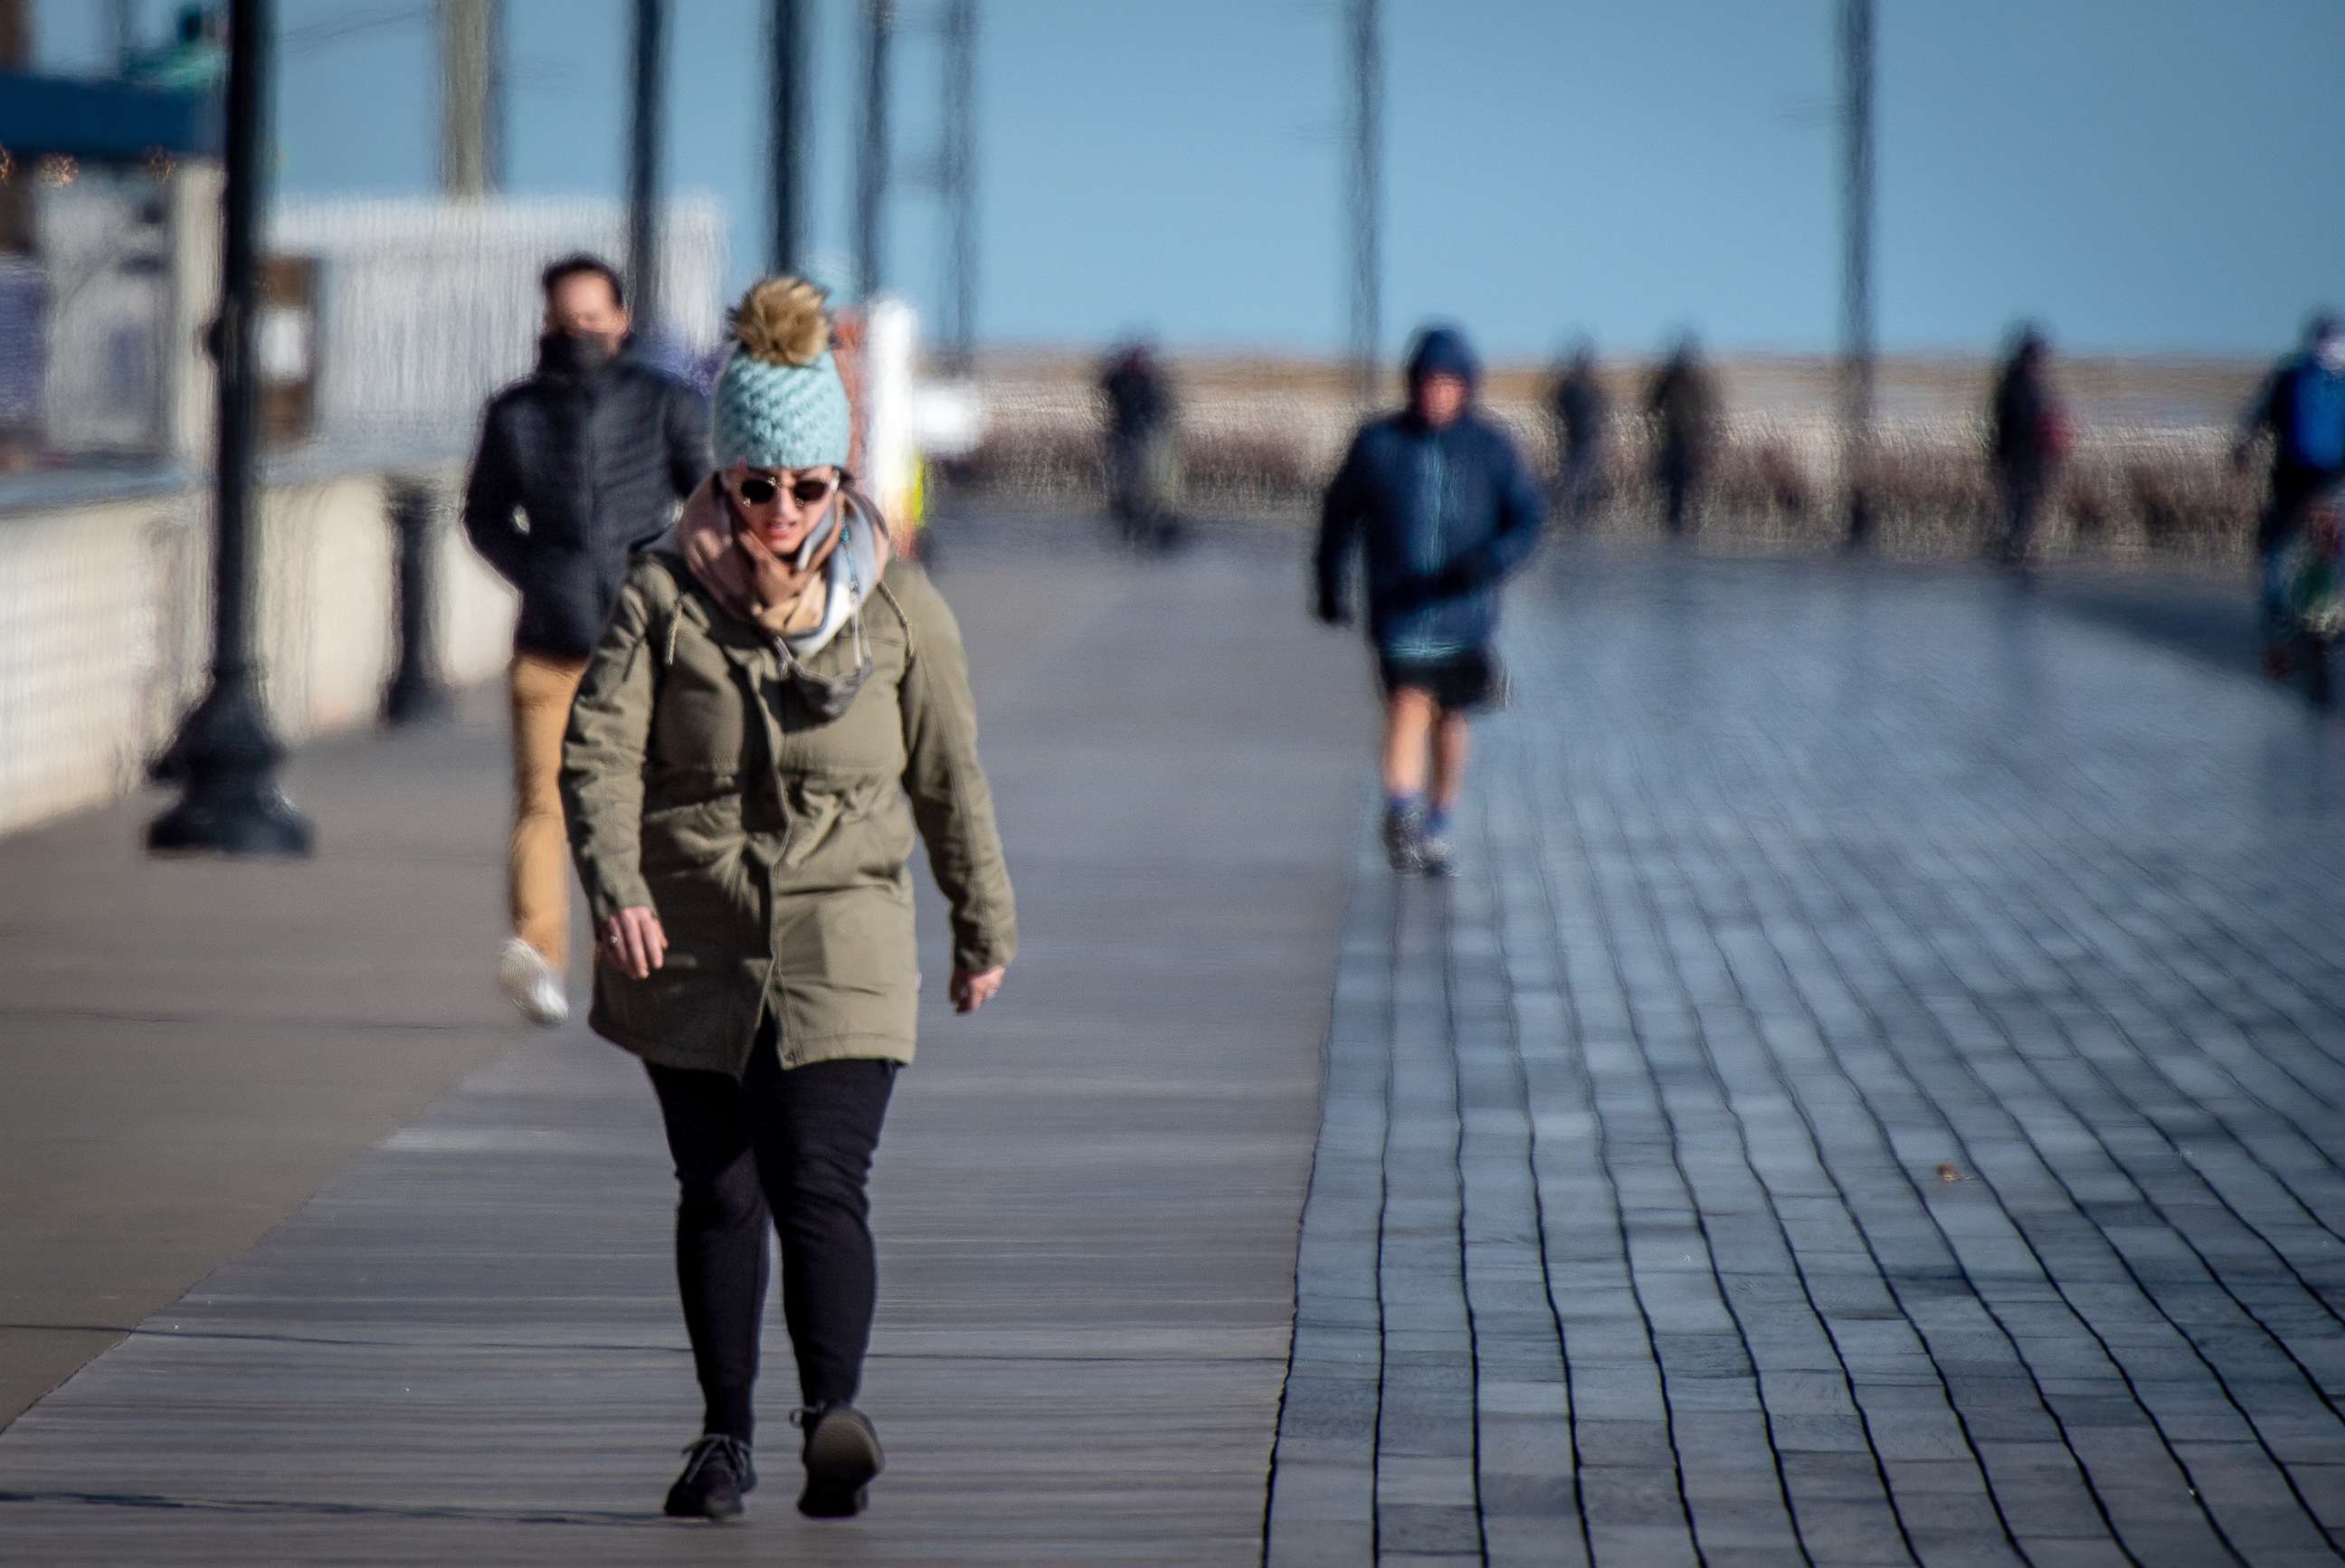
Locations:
(543, 688)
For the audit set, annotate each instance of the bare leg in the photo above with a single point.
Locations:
(1453, 739)
(1409, 718)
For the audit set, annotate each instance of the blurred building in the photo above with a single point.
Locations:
(383, 325)
(423, 306)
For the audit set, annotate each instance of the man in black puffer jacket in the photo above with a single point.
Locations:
(580, 465)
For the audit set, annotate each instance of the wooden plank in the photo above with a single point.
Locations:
(467, 1347)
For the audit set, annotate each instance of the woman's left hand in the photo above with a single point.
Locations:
(971, 992)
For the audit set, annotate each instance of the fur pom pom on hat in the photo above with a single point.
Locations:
(782, 322)
(779, 403)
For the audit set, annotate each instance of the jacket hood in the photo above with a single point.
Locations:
(1443, 350)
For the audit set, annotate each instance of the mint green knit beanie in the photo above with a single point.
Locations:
(779, 401)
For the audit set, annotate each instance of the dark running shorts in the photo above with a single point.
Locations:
(1457, 683)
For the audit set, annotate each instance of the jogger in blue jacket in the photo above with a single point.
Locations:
(1443, 509)
(2302, 406)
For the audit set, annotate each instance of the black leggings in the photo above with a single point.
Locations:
(797, 1145)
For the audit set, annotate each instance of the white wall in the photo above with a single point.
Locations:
(106, 626)
(427, 306)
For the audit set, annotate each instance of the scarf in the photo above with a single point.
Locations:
(801, 609)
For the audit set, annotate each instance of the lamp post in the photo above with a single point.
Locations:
(644, 153)
(959, 166)
(1856, 278)
(469, 108)
(789, 94)
(227, 752)
(1366, 192)
(871, 171)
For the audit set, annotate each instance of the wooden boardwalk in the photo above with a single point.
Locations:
(466, 1347)
(1872, 1096)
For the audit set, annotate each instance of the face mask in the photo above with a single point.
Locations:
(582, 353)
(2330, 353)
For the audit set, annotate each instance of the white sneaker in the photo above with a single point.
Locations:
(531, 984)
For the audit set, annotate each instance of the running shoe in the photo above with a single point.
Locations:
(716, 1472)
(531, 984)
(842, 1455)
(1405, 838)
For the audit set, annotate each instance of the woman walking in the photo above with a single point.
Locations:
(773, 706)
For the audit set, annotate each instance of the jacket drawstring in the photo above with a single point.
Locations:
(911, 643)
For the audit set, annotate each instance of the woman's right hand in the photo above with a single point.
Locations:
(633, 943)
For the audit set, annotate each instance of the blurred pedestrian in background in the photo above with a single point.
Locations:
(1683, 402)
(2301, 407)
(1443, 509)
(775, 707)
(1578, 405)
(580, 465)
(2028, 436)
(1143, 459)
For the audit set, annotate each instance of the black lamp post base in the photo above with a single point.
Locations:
(415, 695)
(415, 700)
(245, 816)
(226, 759)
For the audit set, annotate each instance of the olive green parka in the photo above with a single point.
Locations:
(774, 845)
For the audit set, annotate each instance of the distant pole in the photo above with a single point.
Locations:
(871, 156)
(125, 33)
(227, 752)
(1366, 194)
(1856, 281)
(468, 31)
(961, 181)
(17, 207)
(790, 89)
(16, 35)
(644, 150)
(495, 100)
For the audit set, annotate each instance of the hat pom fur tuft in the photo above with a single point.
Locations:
(782, 321)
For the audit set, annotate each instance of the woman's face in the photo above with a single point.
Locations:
(783, 506)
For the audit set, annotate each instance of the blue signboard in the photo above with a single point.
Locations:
(104, 121)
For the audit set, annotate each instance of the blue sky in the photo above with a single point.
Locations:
(2144, 175)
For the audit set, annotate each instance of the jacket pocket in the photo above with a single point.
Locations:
(697, 1009)
(849, 968)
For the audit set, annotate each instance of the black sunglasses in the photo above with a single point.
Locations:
(759, 490)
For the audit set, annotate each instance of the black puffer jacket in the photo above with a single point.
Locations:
(593, 461)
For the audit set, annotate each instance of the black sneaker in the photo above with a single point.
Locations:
(842, 1455)
(716, 1472)
(1405, 838)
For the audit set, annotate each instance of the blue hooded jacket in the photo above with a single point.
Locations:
(1441, 515)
